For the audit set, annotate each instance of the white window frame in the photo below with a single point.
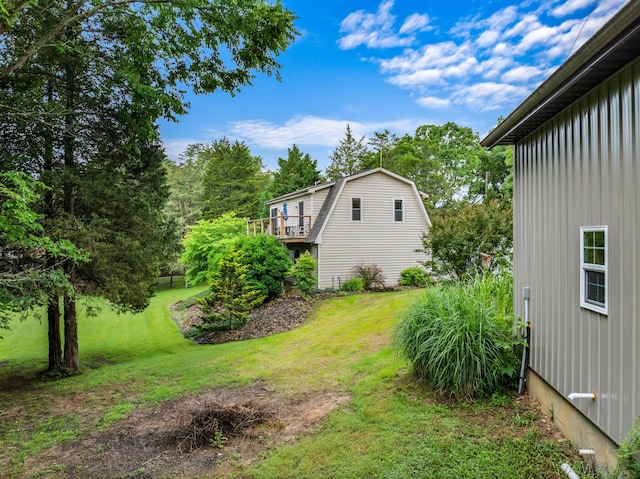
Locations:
(401, 210)
(586, 267)
(352, 209)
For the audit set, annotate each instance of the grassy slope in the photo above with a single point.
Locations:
(390, 429)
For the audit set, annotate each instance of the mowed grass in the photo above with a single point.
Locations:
(391, 428)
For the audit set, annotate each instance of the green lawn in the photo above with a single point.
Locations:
(391, 428)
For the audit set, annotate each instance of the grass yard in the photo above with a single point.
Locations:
(377, 424)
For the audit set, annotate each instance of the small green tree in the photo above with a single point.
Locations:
(205, 243)
(304, 273)
(231, 289)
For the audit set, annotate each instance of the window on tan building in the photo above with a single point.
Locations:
(593, 268)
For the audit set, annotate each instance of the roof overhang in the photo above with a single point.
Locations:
(615, 45)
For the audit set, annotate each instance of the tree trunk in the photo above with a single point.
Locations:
(71, 359)
(53, 305)
(55, 345)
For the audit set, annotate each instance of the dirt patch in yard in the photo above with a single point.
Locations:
(210, 434)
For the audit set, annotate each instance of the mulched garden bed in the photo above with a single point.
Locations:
(277, 316)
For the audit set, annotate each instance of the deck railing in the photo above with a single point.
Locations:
(285, 228)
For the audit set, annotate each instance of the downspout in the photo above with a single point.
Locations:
(526, 295)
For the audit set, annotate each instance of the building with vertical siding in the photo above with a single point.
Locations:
(374, 217)
(577, 235)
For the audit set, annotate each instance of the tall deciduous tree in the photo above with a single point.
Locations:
(449, 156)
(348, 157)
(295, 172)
(233, 179)
(82, 83)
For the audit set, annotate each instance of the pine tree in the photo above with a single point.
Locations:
(294, 173)
(348, 157)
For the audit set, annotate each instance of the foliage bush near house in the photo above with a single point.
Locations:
(461, 232)
(415, 276)
(268, 263)
(371, 274)
(460, 338)
(304, 274)
(206, 242)
(354, 285)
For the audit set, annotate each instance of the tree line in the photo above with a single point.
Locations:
(90, 205)
(468, 190)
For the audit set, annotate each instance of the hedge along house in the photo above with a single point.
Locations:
(577, 235)
(375, 217)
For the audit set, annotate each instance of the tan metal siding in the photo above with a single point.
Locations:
(581, 169)
(377, 238)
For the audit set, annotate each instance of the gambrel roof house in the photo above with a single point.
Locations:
(577, 235)
(374, 217)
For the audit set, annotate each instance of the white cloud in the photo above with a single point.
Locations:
(418, 78)
(438, 55)
(434, 102)
(570, 7)
(375, 30)
(307, 130)
(310, 131)
(415, 23)
(521, 74)
(488, 38)
(488, 96)
(494, 66)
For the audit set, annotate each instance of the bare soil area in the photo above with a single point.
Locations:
(206, 435)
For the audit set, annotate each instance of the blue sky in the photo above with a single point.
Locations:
(396, 65)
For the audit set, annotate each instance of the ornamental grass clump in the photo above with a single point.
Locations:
(460, 338)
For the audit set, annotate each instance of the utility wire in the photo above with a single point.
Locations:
(582, 28)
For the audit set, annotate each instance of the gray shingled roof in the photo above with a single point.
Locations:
(324, 211)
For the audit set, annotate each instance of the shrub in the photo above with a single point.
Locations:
(231, 290)
(354, 285)
(415, 276)
(371, 274)
(304, 273)
(460, 338)
(628, 454)
(268, 263)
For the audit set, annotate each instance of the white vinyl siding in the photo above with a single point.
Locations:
(377, 239)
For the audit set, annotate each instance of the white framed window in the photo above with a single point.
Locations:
(356, 209)
(594, 292)
(398, 209)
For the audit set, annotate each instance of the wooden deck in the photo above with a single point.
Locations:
(292, 229)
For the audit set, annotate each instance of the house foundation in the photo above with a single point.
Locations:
(582, 433)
